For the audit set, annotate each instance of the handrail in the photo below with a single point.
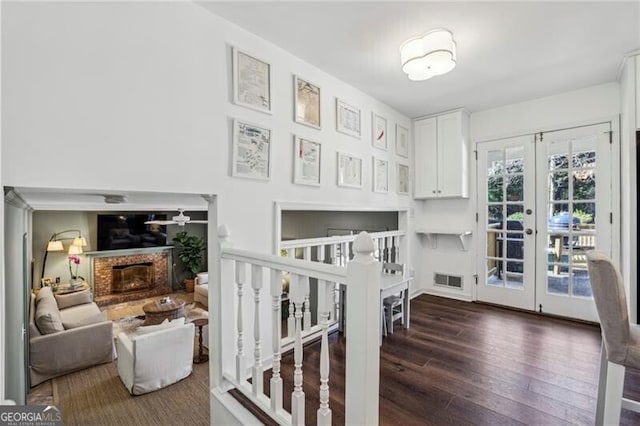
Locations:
(308, 242)
(323, 271)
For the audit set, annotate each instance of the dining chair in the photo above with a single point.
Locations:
(393, 306)
(620, 340)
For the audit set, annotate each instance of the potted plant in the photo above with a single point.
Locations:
(190, 252)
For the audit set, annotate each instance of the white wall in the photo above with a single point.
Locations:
(139, 94)
(588, 105)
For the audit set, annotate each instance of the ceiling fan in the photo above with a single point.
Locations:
(179, 220)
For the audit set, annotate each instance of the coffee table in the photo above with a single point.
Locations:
(156, 312)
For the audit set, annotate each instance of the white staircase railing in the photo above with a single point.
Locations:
(388, 246)
(232, 368)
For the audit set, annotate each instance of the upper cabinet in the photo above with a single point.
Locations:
(441, 156)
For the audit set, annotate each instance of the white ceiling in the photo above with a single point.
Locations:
(507, 51)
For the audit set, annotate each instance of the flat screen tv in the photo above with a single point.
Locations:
(126, 231)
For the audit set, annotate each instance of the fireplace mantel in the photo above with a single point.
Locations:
(126, 252)
(101, 265)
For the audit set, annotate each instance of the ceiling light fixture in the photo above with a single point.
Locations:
(428, 55)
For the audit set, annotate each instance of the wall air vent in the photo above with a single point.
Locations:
(445, 280)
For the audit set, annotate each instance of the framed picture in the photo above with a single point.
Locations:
(402, 178)
(402, 141)
(347, 119)
(380, 175)
(306, 102)
(349, 171)
(378, 131)
(251, 151)
(306, 161)
(251, 82)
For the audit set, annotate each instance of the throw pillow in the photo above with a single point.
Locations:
(48, 317)
(44, 293)
(146, 329)
(73, 299)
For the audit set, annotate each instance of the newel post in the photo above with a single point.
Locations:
(363, 334)
(218, 275)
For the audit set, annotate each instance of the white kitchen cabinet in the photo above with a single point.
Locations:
(441, 160)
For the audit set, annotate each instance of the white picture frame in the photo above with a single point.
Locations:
(251, 151)
(380, 175)
(402, 141)
(402, 178)
(348, 119)
(379, 131)
(307, 161)
(349, 169)
(307, 102)
(251, 81)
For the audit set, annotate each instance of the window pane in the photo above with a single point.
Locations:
(514, 160)
(584, 184)
(495, 216)
(515, 190)
(495, 163)
(584, 160)
(558, 186)
(494, 189)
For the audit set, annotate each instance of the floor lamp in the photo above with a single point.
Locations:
(55, 244)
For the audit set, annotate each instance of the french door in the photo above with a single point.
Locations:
(543, 201)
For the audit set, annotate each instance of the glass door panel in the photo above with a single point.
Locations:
(505, 172)
(568, 223)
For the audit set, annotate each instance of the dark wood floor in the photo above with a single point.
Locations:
(467, 363)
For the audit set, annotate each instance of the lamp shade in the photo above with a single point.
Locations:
(428, 55)
(75, 249)
(55, 246)
(79, 241)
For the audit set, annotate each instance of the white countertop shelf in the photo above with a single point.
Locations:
(432, 235)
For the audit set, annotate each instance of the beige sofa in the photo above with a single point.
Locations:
(66, 333)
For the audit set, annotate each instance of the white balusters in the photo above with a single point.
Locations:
(257, 277)
(307, 302)
(325, 304)
(291, 322)
(241, 277)
(276, 380)
(297, 397)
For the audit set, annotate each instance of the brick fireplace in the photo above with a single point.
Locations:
(125, 275)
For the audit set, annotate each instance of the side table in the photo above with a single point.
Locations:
(201, 357)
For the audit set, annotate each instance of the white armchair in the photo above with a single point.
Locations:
(155, 356)
(201, 289)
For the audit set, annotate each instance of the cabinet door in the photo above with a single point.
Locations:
(425, 167)
(453, 156)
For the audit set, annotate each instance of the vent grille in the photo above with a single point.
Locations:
(445, 280)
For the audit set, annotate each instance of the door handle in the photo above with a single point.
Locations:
(528, 231)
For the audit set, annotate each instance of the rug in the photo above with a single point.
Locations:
(96, 396)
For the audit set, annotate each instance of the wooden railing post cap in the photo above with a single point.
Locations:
(363, 245)
(223, 233)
